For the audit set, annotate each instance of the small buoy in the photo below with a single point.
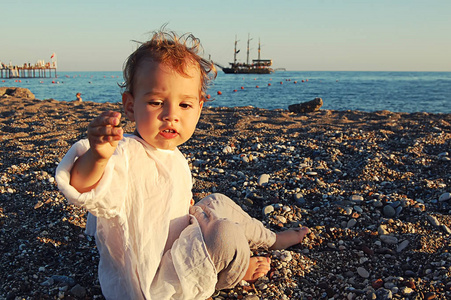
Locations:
(281, 82)
(303, 80)
(269, 84)
(208, 96)
(306, 80)
(257, 86)
(53, 81)
(219, 93)
(242, 87)
(235, 91)
(295, 81)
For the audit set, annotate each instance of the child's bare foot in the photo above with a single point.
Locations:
(289, 238)
(258, 266)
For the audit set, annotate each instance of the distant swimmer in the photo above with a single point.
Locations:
(78, 95)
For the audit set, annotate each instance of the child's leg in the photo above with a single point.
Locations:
(229, 250)
(289, 238)
(257, 234)
(220, 206)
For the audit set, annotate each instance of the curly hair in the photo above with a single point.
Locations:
(175, 52)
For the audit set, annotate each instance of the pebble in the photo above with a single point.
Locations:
(363, 272)
(356, 198)
(263, 180)
(389, 239)
(78, 291)
(403, 245)
(444, 197)
(227, 150)
(268, 209)
(351, 223)
(433, 220)
(389, 211)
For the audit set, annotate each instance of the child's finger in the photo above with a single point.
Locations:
(105, 130)
(107, 118)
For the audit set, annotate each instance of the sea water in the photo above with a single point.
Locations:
(365, 91)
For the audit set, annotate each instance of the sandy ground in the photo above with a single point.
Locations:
(372, 187)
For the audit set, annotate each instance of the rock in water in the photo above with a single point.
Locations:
(310, 106)
(16, 92)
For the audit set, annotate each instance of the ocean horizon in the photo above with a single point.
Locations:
(368, 91)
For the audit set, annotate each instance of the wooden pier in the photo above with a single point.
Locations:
(28, 71)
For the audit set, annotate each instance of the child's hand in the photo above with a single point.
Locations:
(104, 133)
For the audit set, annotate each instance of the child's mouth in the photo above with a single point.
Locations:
(169, 131)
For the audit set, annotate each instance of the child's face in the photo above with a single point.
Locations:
(165, 105)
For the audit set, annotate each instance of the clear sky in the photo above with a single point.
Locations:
(327, 35)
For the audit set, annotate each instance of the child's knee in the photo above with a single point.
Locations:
(224, 239)
(221, 233)
(214, 199)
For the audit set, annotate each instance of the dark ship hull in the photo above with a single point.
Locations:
(247, 70)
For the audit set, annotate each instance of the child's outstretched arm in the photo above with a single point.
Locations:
(103, 135)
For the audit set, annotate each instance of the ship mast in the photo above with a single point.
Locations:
(234, 52)
(248, 40)
(258, 49)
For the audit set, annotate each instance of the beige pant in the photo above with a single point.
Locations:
(229, 234)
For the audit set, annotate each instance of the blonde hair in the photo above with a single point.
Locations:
(175, 52)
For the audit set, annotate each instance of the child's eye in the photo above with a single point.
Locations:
(185, 105)
(155, 103)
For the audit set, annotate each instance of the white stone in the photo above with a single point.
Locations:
(263, 179)
(227, 150)
(268, 209)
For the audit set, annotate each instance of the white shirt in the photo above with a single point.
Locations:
(142, 206)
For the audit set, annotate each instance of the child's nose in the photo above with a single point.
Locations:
(170, 114)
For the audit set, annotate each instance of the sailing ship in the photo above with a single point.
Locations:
(258, 66)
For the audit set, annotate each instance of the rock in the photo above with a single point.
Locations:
(382, 230)
(305, 107)
(268, 209)
(16, 92)
(299, 199)
(78, 291)
(389, 239)
(64, 279)
(433, 220)
(403, 245)
(351, 223)
(363, 272)
(263, 179)
(384, 294)
(227, 150)
(356, 198)
(389, 211)
(444, 197)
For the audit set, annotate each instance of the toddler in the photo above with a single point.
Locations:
(153, 243)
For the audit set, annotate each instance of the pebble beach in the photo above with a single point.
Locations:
(373, 187)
